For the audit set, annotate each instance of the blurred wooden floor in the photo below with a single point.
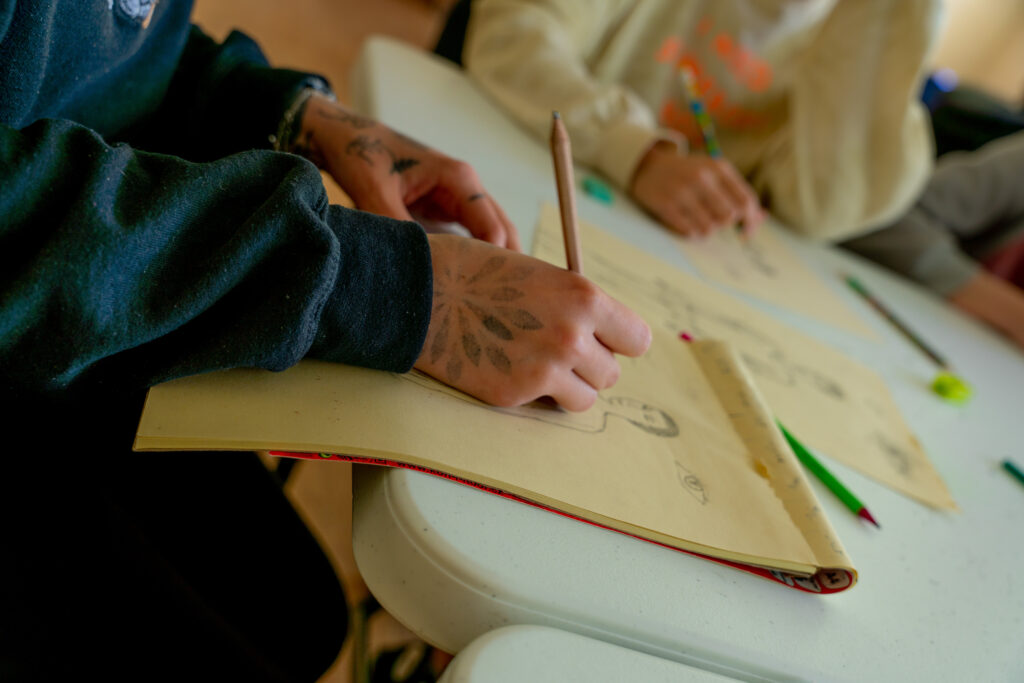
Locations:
(325, 36)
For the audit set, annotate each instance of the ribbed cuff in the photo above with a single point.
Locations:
(378, 313)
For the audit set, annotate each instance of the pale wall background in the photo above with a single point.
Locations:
(983, 41)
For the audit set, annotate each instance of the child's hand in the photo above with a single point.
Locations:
(508, 328)
(387, 173)
(694, 195)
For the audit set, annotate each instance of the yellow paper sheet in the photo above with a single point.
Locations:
(829, 401)
(681, 451)
(764, 267)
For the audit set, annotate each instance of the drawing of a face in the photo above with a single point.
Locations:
(648, 418)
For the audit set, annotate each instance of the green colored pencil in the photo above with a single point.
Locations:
(827, 478)
(1010, 467)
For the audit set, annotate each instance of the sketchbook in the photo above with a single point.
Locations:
(681, 452)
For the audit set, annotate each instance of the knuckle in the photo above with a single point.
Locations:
(586, 294)
(565, 341)
(461, 170)
(613, 375)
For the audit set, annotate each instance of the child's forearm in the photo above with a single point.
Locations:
(994, 301)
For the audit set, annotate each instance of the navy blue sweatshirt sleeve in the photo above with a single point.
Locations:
(120, 269)
(223, 98)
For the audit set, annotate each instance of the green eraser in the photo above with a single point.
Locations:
(598, 190)
(951, 388)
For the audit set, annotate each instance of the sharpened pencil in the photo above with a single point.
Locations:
(561, 151)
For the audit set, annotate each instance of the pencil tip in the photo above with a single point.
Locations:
(555, 115)
(867, 515)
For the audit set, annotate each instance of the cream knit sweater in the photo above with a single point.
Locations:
(815, 101)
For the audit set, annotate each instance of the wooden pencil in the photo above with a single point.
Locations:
(561, 151)
(901, 326)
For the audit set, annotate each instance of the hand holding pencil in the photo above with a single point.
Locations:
(695, 194)
(509, 329)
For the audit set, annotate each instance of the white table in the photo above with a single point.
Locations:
(938, 597)
(539, 654)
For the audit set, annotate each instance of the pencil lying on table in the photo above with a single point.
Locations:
(901, 326)
(827, 478)
(561, 150)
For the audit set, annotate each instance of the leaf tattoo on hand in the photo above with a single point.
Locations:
(478, 316)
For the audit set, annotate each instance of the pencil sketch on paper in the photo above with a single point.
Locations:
(691, 483)
(742, 260)
(648, 418)
(757, 261)
(899, 458)
(645, 417)
(768, 360)
(765, 357)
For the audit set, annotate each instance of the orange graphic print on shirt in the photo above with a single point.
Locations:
(750, 72)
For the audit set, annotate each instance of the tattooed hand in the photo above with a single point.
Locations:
(509, 328)
(387, 173)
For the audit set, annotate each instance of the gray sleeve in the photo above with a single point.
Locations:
(969, 204)
(974, 192)
(920, 248)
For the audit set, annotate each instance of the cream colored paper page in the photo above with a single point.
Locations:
(764, 267)
(657, 456)
(830, 402)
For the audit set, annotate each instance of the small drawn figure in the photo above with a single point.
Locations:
(693, 485)
(648, 418)
(825, 385)
(900, 459)
(757, 261)
(876, 408)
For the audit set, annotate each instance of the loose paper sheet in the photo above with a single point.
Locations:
(829, 401)
(764, 267)
(681, 451)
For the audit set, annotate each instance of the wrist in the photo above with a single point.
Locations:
(324, 125)
(650, 161)
(291, 127)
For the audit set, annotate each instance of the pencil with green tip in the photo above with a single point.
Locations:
(827, 478)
